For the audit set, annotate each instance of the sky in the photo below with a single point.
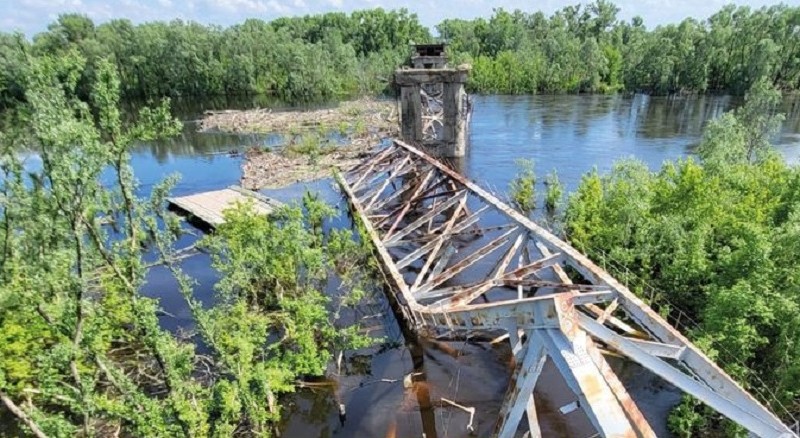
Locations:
(32, 16)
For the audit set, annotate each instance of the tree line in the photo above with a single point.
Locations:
(333, 55)
(589, 49)
(296, 59)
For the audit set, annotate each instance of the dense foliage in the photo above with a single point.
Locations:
(82, 351)
(713, 245)
(296, 59)
(587, 48)
(577, 49)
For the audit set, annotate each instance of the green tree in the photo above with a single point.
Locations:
(580, 48)
(744, 135)
(555, 192)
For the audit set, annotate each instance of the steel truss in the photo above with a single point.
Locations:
(459, 261)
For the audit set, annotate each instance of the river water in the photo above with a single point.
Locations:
(569, 134)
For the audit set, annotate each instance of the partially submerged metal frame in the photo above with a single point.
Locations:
(433, 231)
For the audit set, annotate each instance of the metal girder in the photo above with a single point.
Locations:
(415, 208)
(439, 209)
(520, 395)
(534, 431)
(440, 241)
(572, 359)
(731, 408)
(464, 264)
(635, 416)
(491, 316)
(420, 186)
(397, 171)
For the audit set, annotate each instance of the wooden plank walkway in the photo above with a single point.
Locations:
(208, 207)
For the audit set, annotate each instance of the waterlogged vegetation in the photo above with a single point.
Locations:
(314, 142)
(712, 243)
(523, 195)
(554, 194)
(82, 352)
(522, 189)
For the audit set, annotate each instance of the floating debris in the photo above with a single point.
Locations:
(317, 141)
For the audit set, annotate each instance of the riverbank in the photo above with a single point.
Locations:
(316, 141)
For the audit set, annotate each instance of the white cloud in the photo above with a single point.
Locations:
(31, 16)
(237, 6)
(279, 8)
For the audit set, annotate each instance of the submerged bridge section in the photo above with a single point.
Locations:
(461, 263)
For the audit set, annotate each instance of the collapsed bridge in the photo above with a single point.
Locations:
(460, 262)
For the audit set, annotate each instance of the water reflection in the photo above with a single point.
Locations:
(574, 134)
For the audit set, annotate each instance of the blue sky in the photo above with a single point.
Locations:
(32, 16)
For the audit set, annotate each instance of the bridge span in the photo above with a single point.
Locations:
(460, 262)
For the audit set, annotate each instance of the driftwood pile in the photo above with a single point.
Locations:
(273, 169)
(361, 123)
(380, 115)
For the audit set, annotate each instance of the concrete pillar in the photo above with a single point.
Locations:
(452, 140)
(411, 113)
(454, 130)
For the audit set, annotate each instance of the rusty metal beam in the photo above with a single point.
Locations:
(591, 307)
(462, 201)
(394, 277)
(370, 164)
(436, 211)
(407, 204)
(519, 275)
(635, 416)
(397, 171)
(447, 254)
(519, 399)
(466, 295)
(491, 316)
(524, 271)
(459, 228)
(465, 263)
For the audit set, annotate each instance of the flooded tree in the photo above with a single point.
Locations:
(523, 187)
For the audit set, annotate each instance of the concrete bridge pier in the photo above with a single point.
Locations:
(437, 123)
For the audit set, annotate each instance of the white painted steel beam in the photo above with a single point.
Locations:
(572, 359)
(758, 424)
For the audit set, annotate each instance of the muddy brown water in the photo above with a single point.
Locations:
(571, 134)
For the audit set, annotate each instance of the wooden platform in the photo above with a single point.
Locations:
(208, 207)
